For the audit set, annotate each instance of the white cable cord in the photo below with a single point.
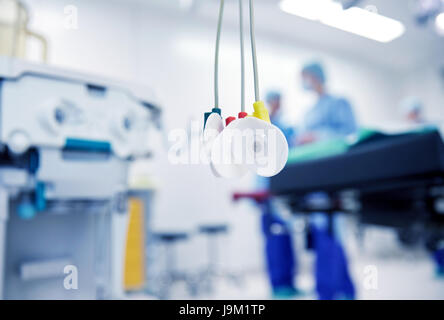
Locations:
(216, 58)
(253, 50)
(241, 24)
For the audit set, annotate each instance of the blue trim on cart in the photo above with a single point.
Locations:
(73, 144)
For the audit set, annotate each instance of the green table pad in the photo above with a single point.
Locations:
(337, 146)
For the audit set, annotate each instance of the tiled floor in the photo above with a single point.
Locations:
(399, 277)
(396, 273)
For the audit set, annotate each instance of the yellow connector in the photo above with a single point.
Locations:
(260, 111)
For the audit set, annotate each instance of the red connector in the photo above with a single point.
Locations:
(229, 120)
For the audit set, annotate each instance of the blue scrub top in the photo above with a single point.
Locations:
(288, 131)
(330, 117)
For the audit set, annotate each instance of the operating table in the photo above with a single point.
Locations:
(391, 180)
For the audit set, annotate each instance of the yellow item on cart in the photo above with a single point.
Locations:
(134, 274)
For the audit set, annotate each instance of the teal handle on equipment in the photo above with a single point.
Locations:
(87, 145)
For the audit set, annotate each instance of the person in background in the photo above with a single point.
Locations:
(330, 117)
(279, 251)
(413, 110)
(438, 256)
(274, 102)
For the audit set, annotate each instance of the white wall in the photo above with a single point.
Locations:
(173, 55)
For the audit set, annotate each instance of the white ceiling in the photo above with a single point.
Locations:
(418, 47)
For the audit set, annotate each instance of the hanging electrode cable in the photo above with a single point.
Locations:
(216, 58)
(230, 154)
(242, 47)
(253, 51)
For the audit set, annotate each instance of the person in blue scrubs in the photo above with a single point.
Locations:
(413, 110)
(331, 117)
(273, 100)
(279, 251)
(438, 257)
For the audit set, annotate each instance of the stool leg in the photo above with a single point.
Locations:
(167, 277)
(212, 255)
(171, 260)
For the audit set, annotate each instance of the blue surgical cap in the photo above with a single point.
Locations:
(315, 69)
(273, 95)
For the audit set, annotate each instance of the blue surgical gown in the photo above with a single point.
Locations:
(330, 117)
